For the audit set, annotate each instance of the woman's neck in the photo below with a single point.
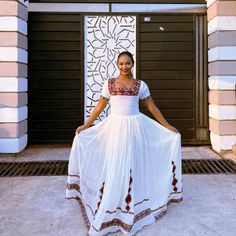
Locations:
(125, 77)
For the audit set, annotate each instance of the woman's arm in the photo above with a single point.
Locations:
(95, 113)
(151, 106)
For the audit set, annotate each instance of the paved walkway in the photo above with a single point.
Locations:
(36, 206)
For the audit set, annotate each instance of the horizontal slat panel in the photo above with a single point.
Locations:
(180, 122)
(166, 46)
(51, 46)
(177, 104)
(55, 104)
(167, 56)
(49, 75)
(166, 27)
(172, 94)
(188, 134)
(183, 123)
(188, 75)
(170, 84)
(54, 94)
(51, 136)
(54, 36)
(56, 84)
(171, 104)
(166, 18)
(174, 113)
(55, 65)
(165, 37)
(166, 65)
(55, 56)
(55, 114)
(56, 124)
(48, 17)
(54, 26)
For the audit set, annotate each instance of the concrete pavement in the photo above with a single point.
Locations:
(36, 206)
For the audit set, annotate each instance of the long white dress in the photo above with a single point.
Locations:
(125, 170)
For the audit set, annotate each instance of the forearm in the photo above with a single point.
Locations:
(158, 116)
(95, 113)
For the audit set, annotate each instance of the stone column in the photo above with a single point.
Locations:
(222, 73)
(13, 73)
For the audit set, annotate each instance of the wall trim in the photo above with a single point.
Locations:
(13, 54)
(222, 112)
(13, 145)
(222, 142)
(183, 8)
(13, 23)
(17, 114)
(13, 84)
(119, 8)
(225, 53)
(222, 23)
(68, 7)
(222, 82)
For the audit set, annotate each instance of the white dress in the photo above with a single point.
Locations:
(125, 170)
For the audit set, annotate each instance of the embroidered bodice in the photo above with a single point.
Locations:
(132, 91)
(125, 101)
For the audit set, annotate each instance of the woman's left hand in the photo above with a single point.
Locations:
(172, 128)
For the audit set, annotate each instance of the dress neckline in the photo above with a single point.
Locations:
(123, 88)
(131, 91)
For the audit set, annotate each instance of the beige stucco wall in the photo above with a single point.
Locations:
(13, 74)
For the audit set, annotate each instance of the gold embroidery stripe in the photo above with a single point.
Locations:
(119, 208)
(139, 216)
(118, 222)
(132, 213)
(144, 200)
(168, 203)
(74, 176)
(73, 187)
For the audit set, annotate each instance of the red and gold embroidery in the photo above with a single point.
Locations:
(128, 198)
(133, 91)
(74, 175)
(139, 216)
(118, 222)
(73, 186)
(174, 181)
(100, 197)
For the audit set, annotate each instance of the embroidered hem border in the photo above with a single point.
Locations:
(118, 222)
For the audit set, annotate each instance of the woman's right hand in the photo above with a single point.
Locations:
(80, 128)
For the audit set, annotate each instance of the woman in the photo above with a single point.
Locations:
(125, 170)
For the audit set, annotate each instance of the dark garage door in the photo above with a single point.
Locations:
(169, 46)
(55, 104)
(171, 58)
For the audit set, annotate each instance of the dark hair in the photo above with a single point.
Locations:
(127, 53)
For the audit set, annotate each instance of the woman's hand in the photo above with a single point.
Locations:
(95, 113)
(172, 128)
(80, 128)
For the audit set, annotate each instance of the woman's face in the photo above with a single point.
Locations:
(125, 65)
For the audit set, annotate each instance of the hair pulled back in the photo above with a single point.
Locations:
(127, 53)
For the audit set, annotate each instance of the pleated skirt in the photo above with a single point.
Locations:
(124, 172)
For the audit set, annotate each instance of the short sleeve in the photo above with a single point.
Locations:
(105, 91)
(144, 90)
